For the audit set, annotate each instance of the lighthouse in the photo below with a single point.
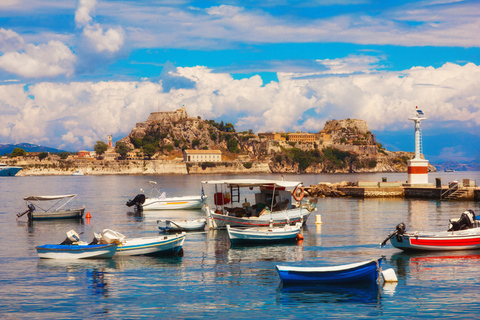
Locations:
(417, 167)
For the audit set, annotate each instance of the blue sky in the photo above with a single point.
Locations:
(72, 72)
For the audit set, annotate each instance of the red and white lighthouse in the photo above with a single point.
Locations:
(418, 167)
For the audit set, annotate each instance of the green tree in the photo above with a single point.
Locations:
(232, 145)
(42, 155)
(149, 150)
(100, 147)
(195, 142)
(18, 152)
(122, 149)
(64, 155)
(229, 127)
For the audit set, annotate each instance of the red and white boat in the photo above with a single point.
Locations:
(463, 234)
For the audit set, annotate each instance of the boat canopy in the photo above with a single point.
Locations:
(48, 198)
(255, 183)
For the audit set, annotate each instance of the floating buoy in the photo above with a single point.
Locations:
(389, 275)
(88, 215)
(318, 219)
(299, 236)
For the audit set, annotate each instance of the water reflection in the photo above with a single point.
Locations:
(368, 293)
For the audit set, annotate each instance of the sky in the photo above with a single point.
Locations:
(73, 72)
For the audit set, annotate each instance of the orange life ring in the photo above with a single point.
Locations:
(298, 197)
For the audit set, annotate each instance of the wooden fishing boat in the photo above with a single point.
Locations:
(159, 245)
(463, 234)
(270, 203)
(160, 201)
(262, 235)
(52, 207)
(366, 271)
(182, 225)
(76, 251)
(73, 248)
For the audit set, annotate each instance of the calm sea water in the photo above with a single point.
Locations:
(217, 281)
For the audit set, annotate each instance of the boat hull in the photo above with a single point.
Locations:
(181, 225)
(367, 271)
(61, 214)
(442, 241)
(57, 251)
(151, 246)
(262, 235)
(177, 203)
(9, 171)
(279, 218)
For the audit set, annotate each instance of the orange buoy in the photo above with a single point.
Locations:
(299, 236)
(88, 215)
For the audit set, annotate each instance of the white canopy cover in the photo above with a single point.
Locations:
(48, 198)
(255, 183)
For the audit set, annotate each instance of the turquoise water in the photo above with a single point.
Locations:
(217, 281)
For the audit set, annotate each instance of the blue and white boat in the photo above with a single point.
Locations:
(73, 248)
(76, 251)
(8, 171)
(263, 235)
(159, 245)
(366, 271)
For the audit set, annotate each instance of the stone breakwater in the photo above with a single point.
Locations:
(137, 167)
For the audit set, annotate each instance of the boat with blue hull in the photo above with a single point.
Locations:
(8, 171)
(366, 271)
(76, 251)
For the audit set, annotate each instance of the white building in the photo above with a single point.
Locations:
(202, 156)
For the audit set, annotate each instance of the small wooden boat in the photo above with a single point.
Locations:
(52, 207)
(366, 271)
(160, 245)
(463, 234)
(161, 202)
(73, 248)
(76, 251)
(271, 201)
(181, 225)
(260, 235)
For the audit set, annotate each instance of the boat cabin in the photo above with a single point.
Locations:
(250, 197)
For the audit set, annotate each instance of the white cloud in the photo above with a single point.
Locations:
(45, 60)
(10, 41)
(109, 41)
(79, 114)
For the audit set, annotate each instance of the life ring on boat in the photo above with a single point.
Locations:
(298, 193)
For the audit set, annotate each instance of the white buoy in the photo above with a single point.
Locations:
(389, 275)
(318, 219)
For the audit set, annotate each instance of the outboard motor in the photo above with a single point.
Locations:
(399, 230)
(138, 200)
(29, 211)
(466, 221)
(71, 238)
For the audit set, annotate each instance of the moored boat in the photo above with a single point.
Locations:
(8, 171)
(159, 245)
(463, 234)
(52, 207)
(160, 201)
(271, 204)
(73, 248)
(366, 271)
(181, 225)
(262, 235)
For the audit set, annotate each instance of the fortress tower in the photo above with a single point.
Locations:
(418, 167)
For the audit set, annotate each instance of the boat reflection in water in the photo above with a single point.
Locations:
(453, 266)
(363, 293)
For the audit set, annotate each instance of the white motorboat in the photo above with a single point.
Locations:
(181, 225)
(269, 204)
(52, 207)
(160, 201)
(77, 173)
(261, 235)
(159, 245)
(8, 171)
